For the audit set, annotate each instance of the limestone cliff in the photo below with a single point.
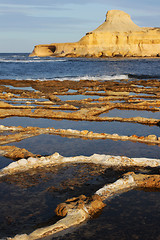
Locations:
(117, 36)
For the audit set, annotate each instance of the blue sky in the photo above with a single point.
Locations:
(25, 23)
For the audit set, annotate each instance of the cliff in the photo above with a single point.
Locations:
(117, 36)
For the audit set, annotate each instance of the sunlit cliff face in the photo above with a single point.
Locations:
(117, 36)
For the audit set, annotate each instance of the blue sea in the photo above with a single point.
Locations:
(21, 67)
(27, 206)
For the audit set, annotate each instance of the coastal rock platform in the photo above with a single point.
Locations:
(134, 103)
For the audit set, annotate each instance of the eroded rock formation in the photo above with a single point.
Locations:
(118, 36)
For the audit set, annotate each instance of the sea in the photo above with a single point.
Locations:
(21, 67)
(25, 207)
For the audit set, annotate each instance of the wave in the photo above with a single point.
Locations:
(94, 78)
(30, 60)
(99, 78)
(78, 78)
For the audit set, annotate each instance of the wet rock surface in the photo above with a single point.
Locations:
(93, 205)
(15, 153)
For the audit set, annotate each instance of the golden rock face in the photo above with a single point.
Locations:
(118, 36)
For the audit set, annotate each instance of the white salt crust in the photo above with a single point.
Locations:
(55, 159)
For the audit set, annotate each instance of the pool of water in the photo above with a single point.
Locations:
(20, 88)
(76, 97)
(131, 113)
(28, 200)
(4, 161)
(121, 128)
(49, 144)
(33, 196)
(72, 91)
(141, 94)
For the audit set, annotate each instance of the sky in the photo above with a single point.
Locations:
(25, 23)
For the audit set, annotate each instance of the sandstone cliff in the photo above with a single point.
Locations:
(117, 36)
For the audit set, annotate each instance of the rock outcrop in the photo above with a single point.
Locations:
(118, 36)
(92, 205)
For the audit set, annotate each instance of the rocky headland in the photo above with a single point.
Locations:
(118, 36)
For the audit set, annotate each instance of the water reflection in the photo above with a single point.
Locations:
(131, 113)
(48, 144)
(28, 199)
(121, 128)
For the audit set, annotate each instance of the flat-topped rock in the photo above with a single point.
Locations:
(118, 21)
